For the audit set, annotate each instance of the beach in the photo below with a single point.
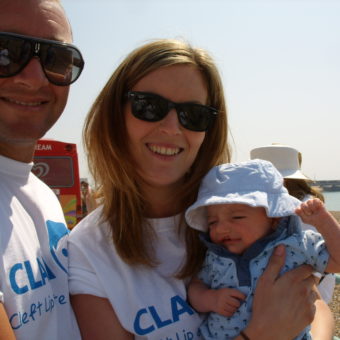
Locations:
(335, 307)
(335, 304)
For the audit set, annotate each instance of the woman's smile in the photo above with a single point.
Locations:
(164, 150)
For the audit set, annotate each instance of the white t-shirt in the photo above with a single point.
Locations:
(149, 303)
(33, 270)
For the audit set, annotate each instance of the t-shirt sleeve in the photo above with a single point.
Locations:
(82, 276)
(326, 286)
(317, 250)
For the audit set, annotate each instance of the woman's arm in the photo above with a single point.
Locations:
(283, 305)
(323, 324)
(6, 331)
(97, 319)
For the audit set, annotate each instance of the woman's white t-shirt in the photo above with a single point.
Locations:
(149, 302)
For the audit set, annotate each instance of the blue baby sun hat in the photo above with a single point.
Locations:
(256, 183)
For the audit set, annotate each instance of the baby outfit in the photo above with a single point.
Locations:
(258, 184)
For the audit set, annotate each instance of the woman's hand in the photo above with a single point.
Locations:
(283, 305)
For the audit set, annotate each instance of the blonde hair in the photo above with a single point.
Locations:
(111, 165)
(300, 188)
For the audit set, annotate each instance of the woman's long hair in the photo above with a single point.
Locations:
(300, 188)
(105, 139)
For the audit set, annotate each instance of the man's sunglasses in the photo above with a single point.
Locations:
(153, 108)
(62, 63)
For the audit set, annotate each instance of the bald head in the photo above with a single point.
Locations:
(31, 17)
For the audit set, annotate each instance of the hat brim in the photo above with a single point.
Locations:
(275, 206)
(294, 174)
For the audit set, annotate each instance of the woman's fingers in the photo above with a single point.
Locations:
(275, 264)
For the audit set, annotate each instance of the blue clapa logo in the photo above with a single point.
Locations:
(56, 231)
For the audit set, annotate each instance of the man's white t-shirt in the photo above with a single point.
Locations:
(33, 270)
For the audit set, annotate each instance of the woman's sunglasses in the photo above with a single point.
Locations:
(62, 63)
(153, 108)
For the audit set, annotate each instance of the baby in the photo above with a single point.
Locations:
(245, 212)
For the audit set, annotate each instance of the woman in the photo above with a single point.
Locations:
(157, 127)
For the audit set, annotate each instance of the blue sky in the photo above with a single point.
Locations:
(279, 60)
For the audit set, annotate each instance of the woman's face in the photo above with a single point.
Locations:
(164, 151)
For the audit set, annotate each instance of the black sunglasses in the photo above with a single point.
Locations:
(151, 107)
(62, 63)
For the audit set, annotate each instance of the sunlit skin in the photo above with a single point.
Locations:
(164, 151)
(29, 104)
(237, 226)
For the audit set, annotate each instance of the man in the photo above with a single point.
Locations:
(36, 69)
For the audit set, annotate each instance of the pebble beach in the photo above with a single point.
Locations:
(335, 304)
(335, 307)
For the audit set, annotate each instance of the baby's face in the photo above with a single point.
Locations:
(238, 226)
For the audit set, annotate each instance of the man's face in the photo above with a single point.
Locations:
(29, 103)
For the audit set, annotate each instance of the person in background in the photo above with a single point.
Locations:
(88, 198)
(244, 211)
(156, 128)
(84, 191)
(33, 93)
(288, 161)
(299, 185)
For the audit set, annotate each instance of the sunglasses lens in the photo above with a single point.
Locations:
(148, 108)
(195, 117)
(14, 55)
(62, 64)
(153, 108)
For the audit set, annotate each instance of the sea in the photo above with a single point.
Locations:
(332, 200)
